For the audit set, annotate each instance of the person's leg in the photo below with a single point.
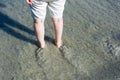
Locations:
(56, 9)
(38, 9)
(58, 27)
(39, 29)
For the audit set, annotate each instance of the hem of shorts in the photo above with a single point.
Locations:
(57, 16)
(38, 18)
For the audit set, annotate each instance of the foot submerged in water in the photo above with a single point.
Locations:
(58, 44)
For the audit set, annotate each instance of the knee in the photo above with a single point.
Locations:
(40, 21)
(57, 20)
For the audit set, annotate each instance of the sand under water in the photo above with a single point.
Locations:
(91, 41)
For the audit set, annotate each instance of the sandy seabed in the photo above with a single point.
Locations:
(91, 41)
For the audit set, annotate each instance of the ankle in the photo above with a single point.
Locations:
(42, 44)
(58, 44)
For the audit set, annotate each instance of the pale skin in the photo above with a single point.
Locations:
(39, 29)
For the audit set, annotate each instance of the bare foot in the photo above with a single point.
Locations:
(42, 44)
(58, 44)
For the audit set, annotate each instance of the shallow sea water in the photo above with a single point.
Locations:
(91, 41)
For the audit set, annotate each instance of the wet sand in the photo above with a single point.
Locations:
(91, 41)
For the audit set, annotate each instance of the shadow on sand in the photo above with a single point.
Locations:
(7, 24)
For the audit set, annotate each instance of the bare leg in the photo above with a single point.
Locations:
(58, 27)
(39, 28)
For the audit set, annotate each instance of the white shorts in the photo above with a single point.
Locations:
(56, 8)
